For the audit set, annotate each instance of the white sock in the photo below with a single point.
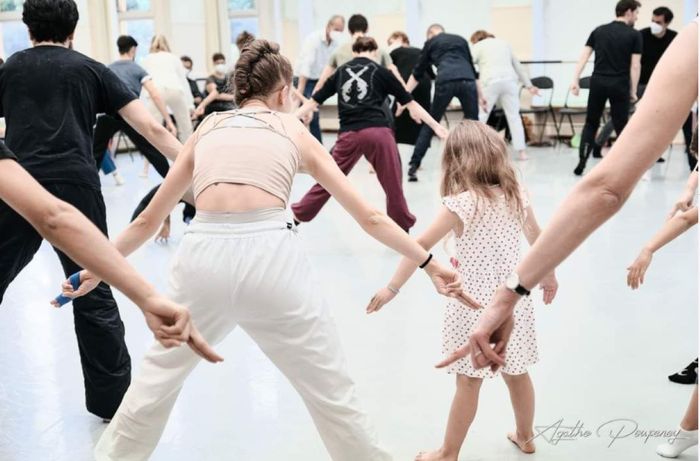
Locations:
(674, 447)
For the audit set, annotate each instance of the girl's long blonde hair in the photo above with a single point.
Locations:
(159, 43)
(476, 159)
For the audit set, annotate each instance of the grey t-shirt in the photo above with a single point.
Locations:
(131, 74)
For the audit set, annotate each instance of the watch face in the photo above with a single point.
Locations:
(512, 281)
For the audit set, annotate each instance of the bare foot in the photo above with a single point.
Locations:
(526, 446)
(436, 455)
(522, 156)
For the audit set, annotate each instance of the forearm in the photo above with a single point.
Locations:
(411, 84)
(394, 70)
(581, 64)
(225, 97)
(327, 72)
(404, 272)
(417, 109)
(635, 71)
(386, 231)
(208, 100)
(160, 105)
(302, 83)
(672, 229)
(692, 184)
(309, 106)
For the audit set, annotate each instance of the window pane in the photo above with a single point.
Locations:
(133, 5)
(142, 30)
(241, 5)
(14, 37)
(10, 5)
(238, 25)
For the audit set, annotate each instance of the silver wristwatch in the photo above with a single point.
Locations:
(513, 284)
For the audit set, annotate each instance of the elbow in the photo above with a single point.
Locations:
(144, 224)
(57, 216)
(607, 198)
(372, 220)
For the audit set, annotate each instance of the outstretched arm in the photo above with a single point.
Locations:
(71, 232)
(668, 232)
(321, 166)
(603, 191)
(685, 201)
(444, 222)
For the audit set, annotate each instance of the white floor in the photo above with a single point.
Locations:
(605, 351)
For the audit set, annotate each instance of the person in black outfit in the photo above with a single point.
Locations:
(405, 58)
(49, 117)
(618, 50)
(218, 97)
(456, 77)
(655, 40)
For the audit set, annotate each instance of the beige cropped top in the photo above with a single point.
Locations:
(239, 147)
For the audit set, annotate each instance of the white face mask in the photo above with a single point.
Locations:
(655, 28)
(220, 68)
(335, 35)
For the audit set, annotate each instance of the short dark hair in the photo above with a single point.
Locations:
(665, 12)
(50, 20)
(357, 23)
(125, 43)
(185, 58)
(217, 57)
(623, 6)
(363, 44)
(400, 35)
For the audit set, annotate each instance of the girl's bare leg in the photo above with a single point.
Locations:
(461, 416)
(522, 397)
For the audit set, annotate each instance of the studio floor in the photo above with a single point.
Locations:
(605, 351)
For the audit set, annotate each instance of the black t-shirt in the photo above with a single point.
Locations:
(5, 152)
(221, 87)
(450, 54)
(652, 49)
(362, 86)
(614, 44)
(49, 96)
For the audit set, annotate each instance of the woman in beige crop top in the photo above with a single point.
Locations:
(244, 161)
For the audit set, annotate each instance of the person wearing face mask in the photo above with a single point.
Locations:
(315, 53)
(655, 39)
(218, 96)
(194, 89)
(618, 51)
(405, 58)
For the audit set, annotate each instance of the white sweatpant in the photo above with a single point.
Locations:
(256, 276)
(176, 101)
(507, 92)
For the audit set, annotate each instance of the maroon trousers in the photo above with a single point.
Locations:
(378, 146)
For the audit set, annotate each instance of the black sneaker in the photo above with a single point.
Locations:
(661, 160)
(412, 173)
(578, 171)
(689, 375)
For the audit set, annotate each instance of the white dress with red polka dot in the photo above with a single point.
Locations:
(487, 252)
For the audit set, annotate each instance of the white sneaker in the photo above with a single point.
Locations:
(674, 447)
(118, 179)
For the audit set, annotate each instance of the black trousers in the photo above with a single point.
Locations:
(106, 126)
(603, 89)
(465, 91)
(103, 354)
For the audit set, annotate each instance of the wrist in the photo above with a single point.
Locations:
(429, 263)
(392, 288)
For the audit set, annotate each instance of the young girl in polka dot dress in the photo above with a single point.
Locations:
(486, 211)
